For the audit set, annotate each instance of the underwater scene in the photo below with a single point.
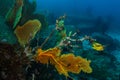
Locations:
(59, 40)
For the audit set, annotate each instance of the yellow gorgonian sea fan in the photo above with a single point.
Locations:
(27, 31)
(46, 56)
(75, 64)
(51, 55)
(63, 63)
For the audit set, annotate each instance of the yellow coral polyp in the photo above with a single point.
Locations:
(63, 63)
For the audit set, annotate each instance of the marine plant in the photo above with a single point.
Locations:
(63, 63)
(15, 13)
(30, 7)
(61, 31)
(27, 31)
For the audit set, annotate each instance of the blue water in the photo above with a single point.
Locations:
(77, 7)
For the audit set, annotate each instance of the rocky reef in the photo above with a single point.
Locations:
(12, 62)
(66, 50)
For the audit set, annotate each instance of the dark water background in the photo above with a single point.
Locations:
(78, 7)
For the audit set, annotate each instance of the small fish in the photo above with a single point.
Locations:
(97, 46)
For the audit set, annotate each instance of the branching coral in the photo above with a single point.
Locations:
(27, 31)
(63, 63)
